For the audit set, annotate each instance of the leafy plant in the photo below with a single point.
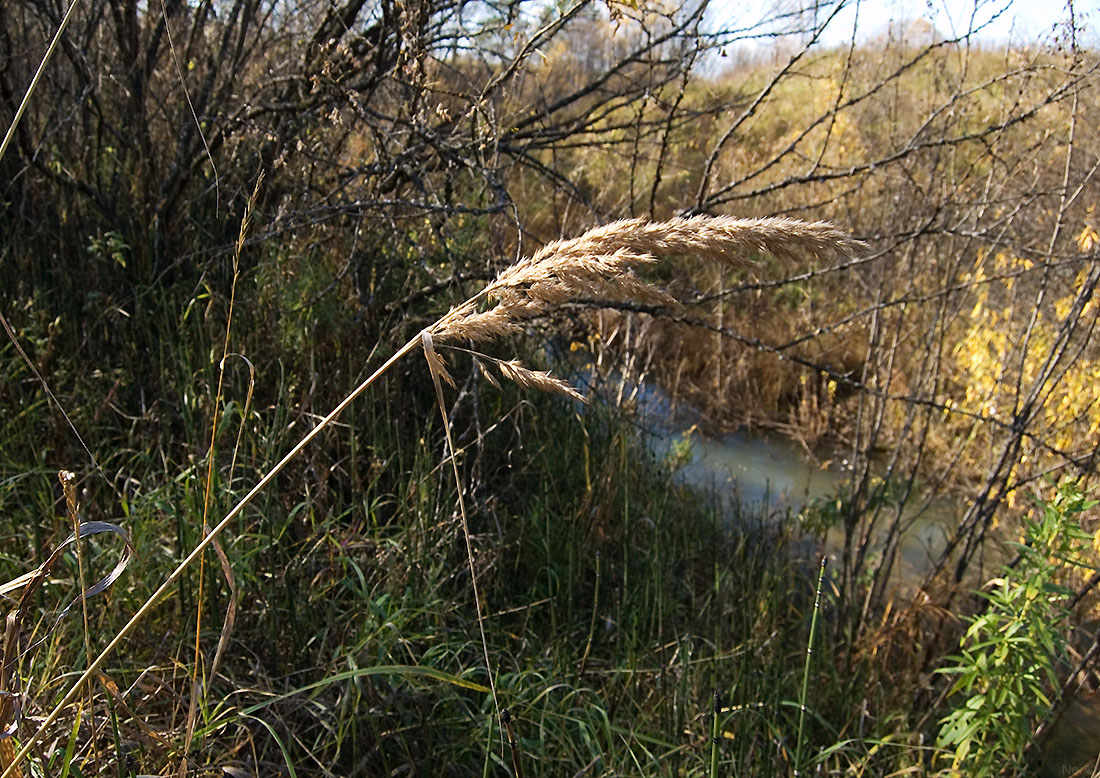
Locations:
(1005, 671)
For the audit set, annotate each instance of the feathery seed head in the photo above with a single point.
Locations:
(599, 266)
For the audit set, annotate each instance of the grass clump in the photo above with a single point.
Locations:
(651, 640)
(509, 602)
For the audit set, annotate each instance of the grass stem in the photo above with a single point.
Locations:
(806, 672)
(37, 77)
(155, 598)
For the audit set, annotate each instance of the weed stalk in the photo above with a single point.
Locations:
(715, 710)
(806, 672)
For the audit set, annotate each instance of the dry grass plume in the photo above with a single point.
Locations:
(599, 265)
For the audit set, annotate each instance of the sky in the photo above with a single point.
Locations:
(1019, 21)
(1015, 21)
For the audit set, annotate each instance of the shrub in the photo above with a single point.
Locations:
(1005, 672)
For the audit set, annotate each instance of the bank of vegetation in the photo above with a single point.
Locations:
(219, 218)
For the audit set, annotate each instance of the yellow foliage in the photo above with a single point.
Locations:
(996, 352)
(1088, 238)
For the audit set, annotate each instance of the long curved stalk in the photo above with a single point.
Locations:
(34, 81)
(150, 603)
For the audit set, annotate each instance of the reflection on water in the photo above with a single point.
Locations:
(778, 474)
(751, 470)
(755, 469)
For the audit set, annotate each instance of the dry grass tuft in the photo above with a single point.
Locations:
(537, 379)
(599, 265)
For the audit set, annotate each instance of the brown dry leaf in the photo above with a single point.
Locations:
(436, 364)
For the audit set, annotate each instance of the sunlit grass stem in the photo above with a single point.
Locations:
(205, 543)
(804, 695)
(714, 735)
(37, 77)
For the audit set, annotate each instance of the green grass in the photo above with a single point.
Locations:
(632, 628)
(617, 602)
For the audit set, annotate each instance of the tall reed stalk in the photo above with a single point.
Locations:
(805, 693)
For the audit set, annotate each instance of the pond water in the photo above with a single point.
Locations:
(778, 475)
(756, 470)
